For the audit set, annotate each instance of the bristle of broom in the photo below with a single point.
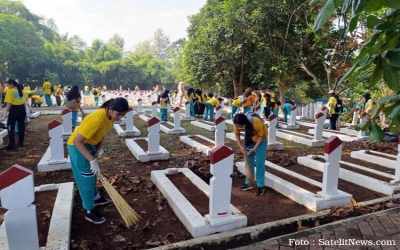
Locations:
(129, 216)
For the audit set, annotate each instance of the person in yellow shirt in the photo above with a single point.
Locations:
(274, 103)
(255, 144)
(4, 93)
(248, 101)
(200, 103)
(210, 105)
(369, 105)
(86, 90)
(96, 94)
(235, 106)
(163, 101)
(74, 94)
(27, 87)
(1, 93)
(84, 147)
(190, 98)
(36, 101)
(16, 112)
(58, 93)
(333, 114)
(47, 92)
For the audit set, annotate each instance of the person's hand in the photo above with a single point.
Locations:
(99, 152)
(94, 166)
(242, 149)
(251, 151)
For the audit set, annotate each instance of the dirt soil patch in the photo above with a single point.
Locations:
(202, 141)
(131, 178)
(143, 144)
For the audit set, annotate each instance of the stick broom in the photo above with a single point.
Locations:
(129, 216)
(249, 174)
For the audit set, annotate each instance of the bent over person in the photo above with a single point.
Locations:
(84, 146)
(255, 146)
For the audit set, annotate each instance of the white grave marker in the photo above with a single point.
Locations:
(17, 192)
(219, 131)
(319, 121)
(218, 111)
(67, 122)
(154, 109)
(332, 153)
(153, 126)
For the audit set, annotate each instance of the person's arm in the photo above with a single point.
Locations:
(7, 109)
(259, 141)
(240, 143)
(78, 142)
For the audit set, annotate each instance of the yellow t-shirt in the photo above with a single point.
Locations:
(1, 89)
(97, 93)
(189, 97)
(250, 100)
(58, 91)
(37, 99)
(13, 97)
(94, 127)
(213, 101)
(259, 130)
(274, 100)
(202, 98)
(6, 88)
(47, 88)
(236, 102)
(332, 104)
(163, 103)
(86, 88)
(27, 88)
(369, 107)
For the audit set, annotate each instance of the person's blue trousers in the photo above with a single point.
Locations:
(258, 162)
(74, 117)
(47, 97)
(164, 114)
(84, 177)
(192, 113)
(246, 109)
(234, 110)
(209, 113)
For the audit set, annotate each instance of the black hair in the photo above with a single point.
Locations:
(74, 93)
(198, 92)
(220, 99)
(165, 94)
(241, 119)
(17, 85)
(248, 93)
(45, 79)
(118, 104)
(30, 95)
(211, 95)
(189, 91)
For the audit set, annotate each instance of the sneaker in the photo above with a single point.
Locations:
(9, 147)
(101, 201)
(95, 217)
(260, 191)
(245, 187)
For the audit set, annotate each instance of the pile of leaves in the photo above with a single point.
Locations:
(383, 147)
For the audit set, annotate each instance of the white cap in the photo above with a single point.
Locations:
(331, 91)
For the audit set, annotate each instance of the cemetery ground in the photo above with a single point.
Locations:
(159, 225)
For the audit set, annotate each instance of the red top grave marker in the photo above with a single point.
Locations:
(318, 115)
(53, 124)
(218, 107)
(331, 144)
(12, 175)
(152, 121)
(294, 108)
(176, 109)
(271, 117)
(139, 100)
(219, 153)
(66, 111)
(219, 120)
(130, 109)
(153, 103)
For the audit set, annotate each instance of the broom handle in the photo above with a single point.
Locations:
(250, 176)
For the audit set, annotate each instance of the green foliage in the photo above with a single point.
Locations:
(379, 58)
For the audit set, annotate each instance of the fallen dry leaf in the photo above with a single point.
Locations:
(46, 215)
(159, 208)
(119, 238)
(85, 244)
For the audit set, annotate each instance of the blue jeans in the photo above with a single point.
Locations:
(96, 101)
(192, 113)
(234, 111)
(47, 97)
(209, 112)
(74, 117)
(246, 109)
(276, 112)
(164, 114)
(84, 177)
(258, 162)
